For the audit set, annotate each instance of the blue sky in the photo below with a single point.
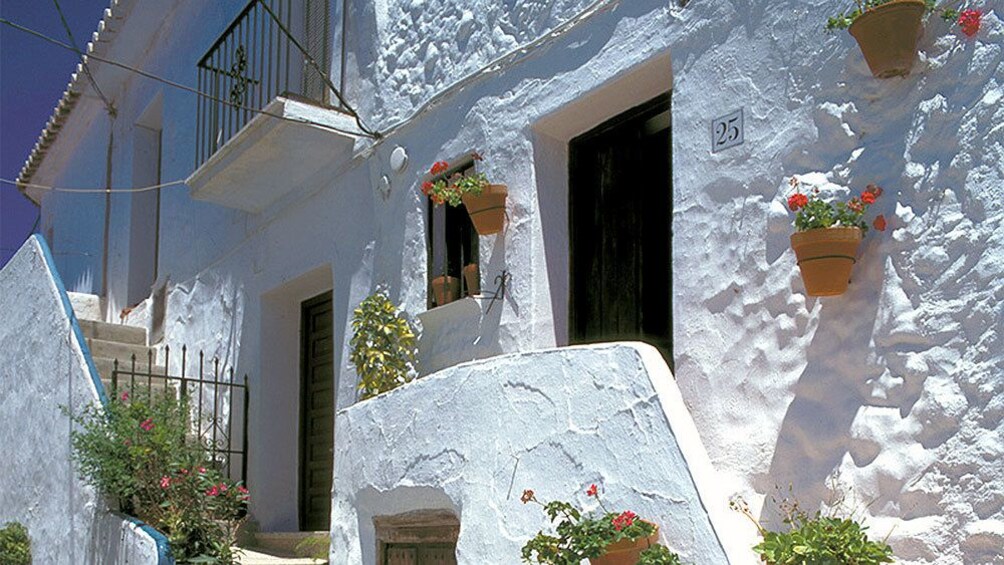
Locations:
(33, 75)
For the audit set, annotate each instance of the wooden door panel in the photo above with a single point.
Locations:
(317, 413)
(620, 217)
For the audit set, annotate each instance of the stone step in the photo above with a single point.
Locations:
(260, 556)
(302, 544)
(86, 306)
(113, 332)
(105, 366)
(121, 351)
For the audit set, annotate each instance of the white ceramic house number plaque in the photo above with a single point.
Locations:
(727, 131)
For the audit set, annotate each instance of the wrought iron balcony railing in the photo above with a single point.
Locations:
(261, 55)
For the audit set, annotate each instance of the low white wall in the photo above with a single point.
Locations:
(44, 371)
(554, 421)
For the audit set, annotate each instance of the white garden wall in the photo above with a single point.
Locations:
(897, 385)
(471, 438)
(43, 371)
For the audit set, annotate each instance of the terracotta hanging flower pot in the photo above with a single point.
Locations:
(485, 202)
(888, 35)
(826, 257)
(472, 279)
(445, 289)
(626, 552)
(487, 210)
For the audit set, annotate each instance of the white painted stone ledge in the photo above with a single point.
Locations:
(471, 437)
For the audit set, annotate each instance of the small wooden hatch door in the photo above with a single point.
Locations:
(317, 412)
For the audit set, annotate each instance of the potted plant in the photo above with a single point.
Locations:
(485, 202)
(887, 31)
(383, 346)
(445, 289)
(827, 236)
(822, 538)
(606, 538)
(472, 279)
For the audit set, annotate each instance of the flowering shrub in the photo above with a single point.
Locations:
(582, 536)
(383, 346)
(452, 190)
(812, 212)
(135, 450)
(15, 545)
(968, 20)
(815, 539)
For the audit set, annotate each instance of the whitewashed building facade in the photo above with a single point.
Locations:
(624, 223)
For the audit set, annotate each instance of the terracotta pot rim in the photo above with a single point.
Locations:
(894, 5)
(827, 234)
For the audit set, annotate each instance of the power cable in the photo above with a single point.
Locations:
(83, 60)
(186, 88)
(92, 190)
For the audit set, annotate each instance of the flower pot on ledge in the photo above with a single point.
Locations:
(445, 289)
(487, 210)
(888, 35)
(626, 552)
(472, 279)
(826, 257)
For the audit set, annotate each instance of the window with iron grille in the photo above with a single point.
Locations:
(452, 241)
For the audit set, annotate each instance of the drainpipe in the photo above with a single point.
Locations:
(108, 206)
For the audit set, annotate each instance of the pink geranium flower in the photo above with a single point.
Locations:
(147, 424)
(165, 482)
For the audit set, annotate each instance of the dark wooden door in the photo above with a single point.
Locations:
(317, 411)
(421, 554)
(620, 224)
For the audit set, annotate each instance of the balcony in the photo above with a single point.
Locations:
(267, 123)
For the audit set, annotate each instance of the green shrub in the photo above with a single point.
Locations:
(383, 346)
(136, 452)
(658, 555)
(15, 545)
(815, 540)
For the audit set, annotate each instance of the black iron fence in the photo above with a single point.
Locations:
(218, 402)
(262, 54)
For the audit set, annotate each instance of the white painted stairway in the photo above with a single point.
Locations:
(111, 342)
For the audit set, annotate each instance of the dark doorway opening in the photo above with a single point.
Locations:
(317, 412)
(620, 229)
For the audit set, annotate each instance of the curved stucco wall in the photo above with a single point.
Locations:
(896, 385)
(472, 437)
(42, 371)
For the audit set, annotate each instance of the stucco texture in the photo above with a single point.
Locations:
(472, 437)
(897, 386)
(43, 371)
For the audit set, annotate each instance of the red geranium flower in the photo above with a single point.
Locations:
(856, 205)
(527, 496)
(969, 21)
(426, 188)
(591, 491)
(147, 424)
(797, 201)
(439, 167)
(868, 197)
(874, 189)
(624, 520)
(879, 222)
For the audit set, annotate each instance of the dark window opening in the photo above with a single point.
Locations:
(452, 241)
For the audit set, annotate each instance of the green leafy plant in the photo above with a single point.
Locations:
(968, 20)
(812, 212)
(135, 450)
(452, 190)
(15, 545)
(383, 346)
(815, 540)
(581, 535)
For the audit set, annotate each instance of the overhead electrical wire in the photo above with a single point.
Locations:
(91, 190)
(184, 87)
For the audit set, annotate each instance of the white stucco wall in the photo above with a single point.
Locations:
(898, 385)
(43, 369)
(472, 437)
